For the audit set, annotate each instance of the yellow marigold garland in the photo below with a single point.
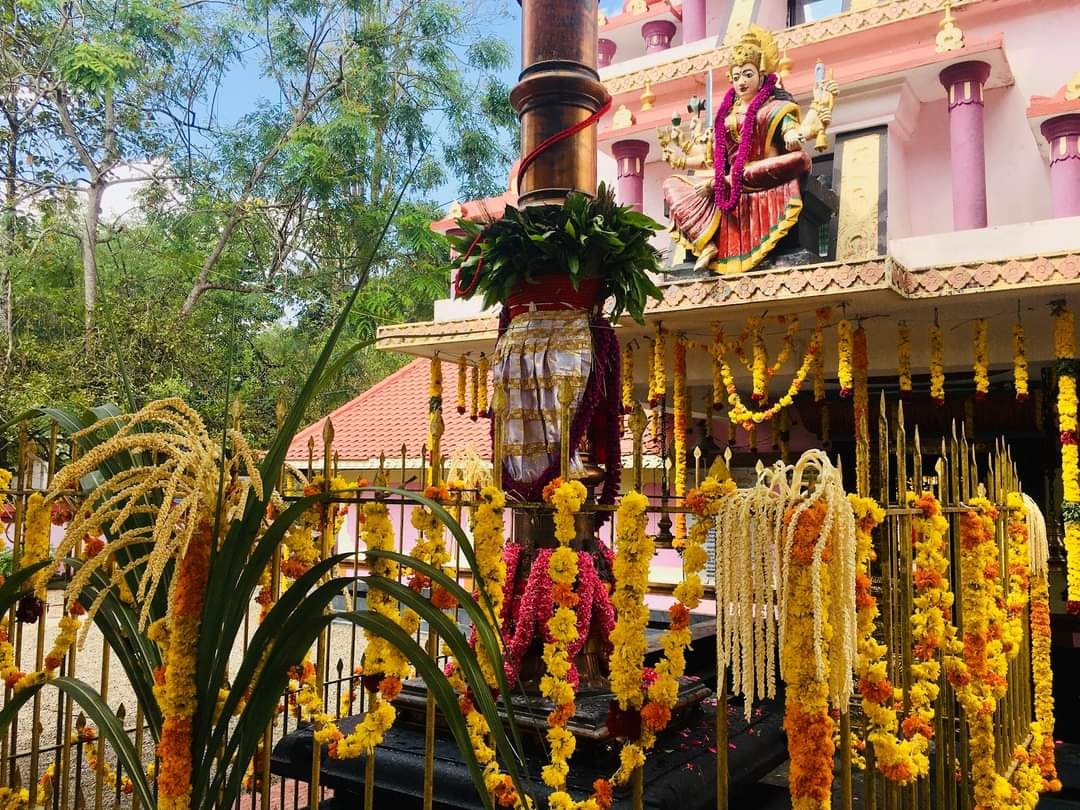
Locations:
(462, 380)
(903, 356)
(1017, 562)
(740, 414)
(823, 314)
(1020, 364)
(898, 759)
(488, 542)
(627, 378)
(680, 430)
(1065, 351)
(982, 360)
(937, 364)
(483, 371)
(716, 351)
(36, 548)
(474, 392)
(634, 551)
(843, 351)
(983, 654)
(657, 371)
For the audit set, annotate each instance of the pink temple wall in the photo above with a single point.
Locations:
(1017, 175)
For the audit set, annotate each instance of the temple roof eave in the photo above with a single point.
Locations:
(878, 283)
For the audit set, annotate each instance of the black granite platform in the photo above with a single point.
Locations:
(681, 772)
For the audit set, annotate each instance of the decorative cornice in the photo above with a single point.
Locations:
(981, 277)
(829, 28)
(832, 279)
(778, 284)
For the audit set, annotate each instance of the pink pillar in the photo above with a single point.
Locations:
(964, 84)
(605, 52)
(1063, 134)
(657, 35)
(693, 20)
(630, 156)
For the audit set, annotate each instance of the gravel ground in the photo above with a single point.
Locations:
(97, 667)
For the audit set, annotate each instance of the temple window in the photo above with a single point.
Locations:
(804, 11)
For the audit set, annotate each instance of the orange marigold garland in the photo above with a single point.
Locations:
(178, 698)
(1041, 674)
(807, 720)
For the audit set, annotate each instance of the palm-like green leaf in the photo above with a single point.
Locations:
(99, 713)
(15, 586)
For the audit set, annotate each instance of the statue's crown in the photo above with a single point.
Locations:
(756, 47)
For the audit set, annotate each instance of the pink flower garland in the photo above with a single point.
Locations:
(727, 198)
(530, 608)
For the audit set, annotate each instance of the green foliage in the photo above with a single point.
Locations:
(95, 67)
(587, 237)
(241, 552)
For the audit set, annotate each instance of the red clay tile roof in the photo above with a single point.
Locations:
(392, 412)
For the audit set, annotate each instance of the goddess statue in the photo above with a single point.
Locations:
(732, 217)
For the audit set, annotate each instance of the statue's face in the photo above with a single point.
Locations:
(746, 80)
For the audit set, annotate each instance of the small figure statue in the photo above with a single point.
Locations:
(732, 217)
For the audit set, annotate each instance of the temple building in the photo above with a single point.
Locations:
(916, 172)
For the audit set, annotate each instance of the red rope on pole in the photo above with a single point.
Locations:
(527, 161)
(546, 144)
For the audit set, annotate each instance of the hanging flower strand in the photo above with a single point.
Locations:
(982, 361)
(628, 377)
(679, 364)
(482, 371)
(474, 392)
(1065, 350)
(1020, 364)
(937, 363)
(843, 349)
(903, 356)
(462, 379)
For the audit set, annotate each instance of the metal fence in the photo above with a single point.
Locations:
(59, 758)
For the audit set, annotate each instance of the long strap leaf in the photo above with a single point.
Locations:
(98, 712)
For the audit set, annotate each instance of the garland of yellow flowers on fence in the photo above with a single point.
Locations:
(903, 759)
(1067, 367)
(739, 413)
(984, 656)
